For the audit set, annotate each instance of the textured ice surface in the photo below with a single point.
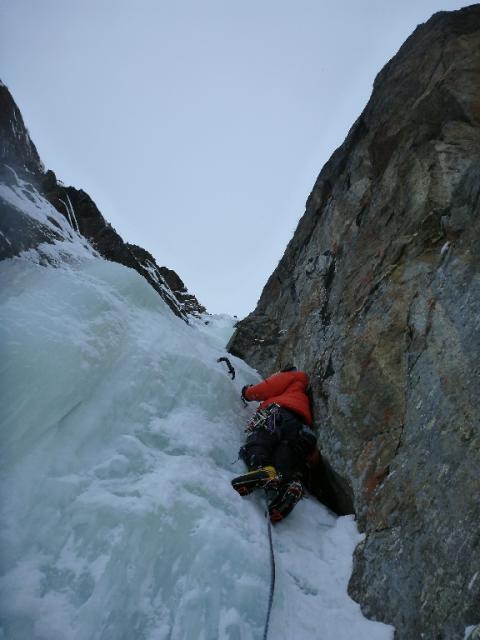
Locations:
(119, 429)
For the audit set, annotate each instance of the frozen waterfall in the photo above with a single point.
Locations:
(119, 431)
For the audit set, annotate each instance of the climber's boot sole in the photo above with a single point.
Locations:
(255, 479)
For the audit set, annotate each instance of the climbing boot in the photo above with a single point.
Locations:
(283, 503)
(255, 479)
(271, 489)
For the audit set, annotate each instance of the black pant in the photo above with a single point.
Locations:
(285, 447)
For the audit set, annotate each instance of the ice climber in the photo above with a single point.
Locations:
(280, 438)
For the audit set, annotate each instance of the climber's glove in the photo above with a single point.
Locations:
(243, 392)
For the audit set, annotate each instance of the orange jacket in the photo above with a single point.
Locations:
(288, 389)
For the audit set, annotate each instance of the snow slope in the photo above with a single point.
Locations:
(119, 432)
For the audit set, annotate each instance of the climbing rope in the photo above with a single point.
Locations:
(270, 541)
(272, 577)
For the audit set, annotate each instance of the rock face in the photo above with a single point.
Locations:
(377, 297)
(21, 168)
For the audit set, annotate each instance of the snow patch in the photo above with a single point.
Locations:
(66, 244)
(472, 581)
(472, 632)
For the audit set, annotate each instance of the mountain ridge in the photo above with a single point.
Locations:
(19, 159)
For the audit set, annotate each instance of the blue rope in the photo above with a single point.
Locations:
(272, 577)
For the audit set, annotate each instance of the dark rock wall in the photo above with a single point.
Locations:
(16, 148)
(378, 298)
(18, 232)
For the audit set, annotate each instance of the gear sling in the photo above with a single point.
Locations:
(277, 437)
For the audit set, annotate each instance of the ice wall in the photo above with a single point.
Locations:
(119, 430)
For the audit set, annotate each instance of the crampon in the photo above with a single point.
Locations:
(283, 503)
(256, 479)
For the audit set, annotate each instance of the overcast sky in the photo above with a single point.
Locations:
(199, 126)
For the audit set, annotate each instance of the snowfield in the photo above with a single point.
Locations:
(119, 434)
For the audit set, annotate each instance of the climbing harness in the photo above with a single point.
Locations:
(272, 575)
(231, 370)
(264, 419)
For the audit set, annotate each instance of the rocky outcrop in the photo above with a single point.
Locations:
(378, 298)
(21, 168)
(16, 148)
(166, 279)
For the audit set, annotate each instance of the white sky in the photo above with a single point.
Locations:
(199, 126)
